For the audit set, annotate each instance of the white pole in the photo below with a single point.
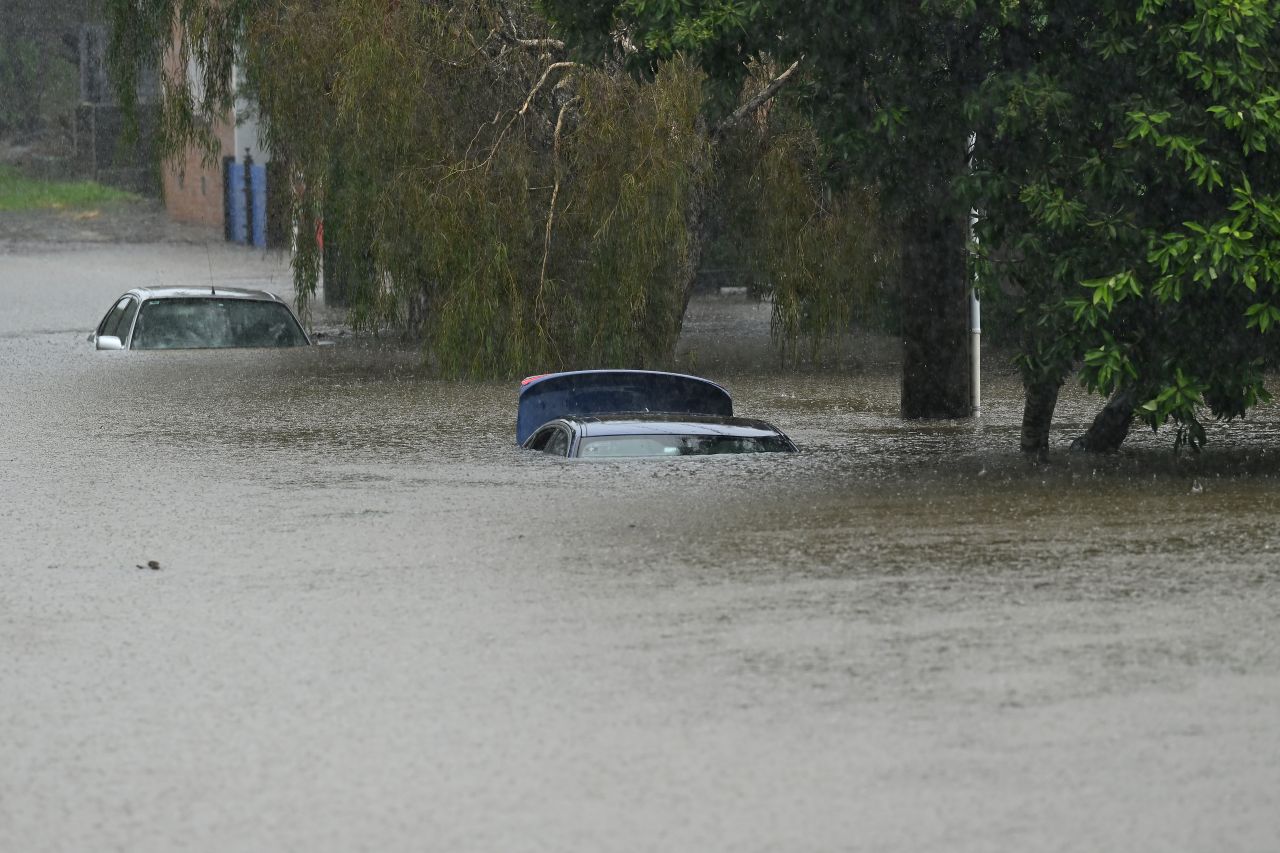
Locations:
(975, 350)
(975, 312)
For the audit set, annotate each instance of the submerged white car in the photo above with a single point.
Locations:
(198, 318)
(598, 414)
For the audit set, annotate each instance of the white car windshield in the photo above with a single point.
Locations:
(215, 323)
(611, 446)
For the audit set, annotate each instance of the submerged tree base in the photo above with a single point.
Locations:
(1037, 416)
(1110, 427)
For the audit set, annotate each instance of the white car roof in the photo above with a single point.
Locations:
(211, 291)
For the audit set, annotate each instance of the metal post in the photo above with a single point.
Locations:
(975, 309)
(248, 197)
(228, 226)
(975, 350)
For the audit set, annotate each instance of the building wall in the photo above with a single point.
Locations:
(193, 191)
(248, 129)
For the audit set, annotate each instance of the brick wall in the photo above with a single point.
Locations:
(192, 191)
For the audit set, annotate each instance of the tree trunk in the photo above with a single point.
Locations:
(935, 315)
(1037, 416)
(335, 280)
(336, 292)
(699, 230)
(1110, 427)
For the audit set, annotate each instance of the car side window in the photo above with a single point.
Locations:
(126, 319)
(540, 439)
(557, 443)
(550, 439)
(112, 320)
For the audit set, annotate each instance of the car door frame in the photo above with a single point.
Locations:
(99, 331)
(550, 429)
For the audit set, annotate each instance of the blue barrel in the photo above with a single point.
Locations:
(235, 202)
(258, 190)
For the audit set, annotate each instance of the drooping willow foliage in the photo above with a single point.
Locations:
(514, 209)
(820, 254)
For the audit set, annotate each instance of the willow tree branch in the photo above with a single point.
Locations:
(541, 80)
(756, 101)
(513, 36)
(555, 195)
(524, 108)
(553, 44)
(480, 130)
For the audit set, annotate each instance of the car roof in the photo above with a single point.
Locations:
(212, 291)
(662, 423)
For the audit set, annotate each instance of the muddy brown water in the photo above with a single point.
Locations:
(379, 625)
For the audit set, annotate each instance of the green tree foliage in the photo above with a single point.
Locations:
(515, 210)
(19, 84)
(883, 86)
(818, 251)
(1128, 184)
(38, 58)
(722, 34)
(1126, 172)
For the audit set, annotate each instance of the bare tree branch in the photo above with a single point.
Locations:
(756, 101)
(524, 108)
(622, 38)
(480, 130)
(548, 43)
(514, 36)
(555, 195)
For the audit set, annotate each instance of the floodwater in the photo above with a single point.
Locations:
(379, 626)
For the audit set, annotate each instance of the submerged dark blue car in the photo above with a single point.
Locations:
(596, 414)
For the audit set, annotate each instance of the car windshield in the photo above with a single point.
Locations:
(607, 446)
(217, 323)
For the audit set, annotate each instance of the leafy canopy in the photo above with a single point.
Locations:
(1125, 171)
(1128, 187)
(517, 210)
(514, 210)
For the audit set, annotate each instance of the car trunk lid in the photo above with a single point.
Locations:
(593, 392)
